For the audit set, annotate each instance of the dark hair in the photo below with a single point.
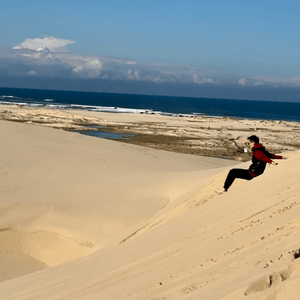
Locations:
(253, 138)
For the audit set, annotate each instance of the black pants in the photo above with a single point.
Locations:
(236, 173)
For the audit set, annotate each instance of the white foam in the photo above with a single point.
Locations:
(36, 105)
(132, 110)
(4, 102)
(15, 103)
(110, 109)
(57, 106)
(82, 106)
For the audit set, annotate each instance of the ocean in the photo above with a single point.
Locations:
(171, 106)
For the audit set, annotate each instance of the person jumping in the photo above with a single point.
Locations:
(260, 158)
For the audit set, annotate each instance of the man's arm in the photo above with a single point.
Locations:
(277, 156)
(261, 156)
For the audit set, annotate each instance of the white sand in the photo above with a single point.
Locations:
(117, 221)
(15, 265)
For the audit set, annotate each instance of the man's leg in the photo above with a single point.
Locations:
(236, 173)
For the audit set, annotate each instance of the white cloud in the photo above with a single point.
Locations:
(137, 75)
(90, 67)
(129, 75)
(94, 63)
(133, 75)
(43, 49)
(158, 80)
(78, 69)
(49, 43)
(258, 83)
(202, 81)
(242, 81)
(290, 81)
(208, 80)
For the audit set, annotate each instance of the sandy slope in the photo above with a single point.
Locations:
(64, 195)
(150, 221)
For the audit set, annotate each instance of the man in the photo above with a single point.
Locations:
(260, 158)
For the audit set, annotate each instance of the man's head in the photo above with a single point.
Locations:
(253, 138)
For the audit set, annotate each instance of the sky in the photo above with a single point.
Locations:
(197, 44)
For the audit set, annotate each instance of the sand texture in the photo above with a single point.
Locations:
(89, 218)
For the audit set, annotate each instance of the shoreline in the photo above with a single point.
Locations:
(221, 137)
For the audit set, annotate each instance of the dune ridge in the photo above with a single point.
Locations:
(45, 246)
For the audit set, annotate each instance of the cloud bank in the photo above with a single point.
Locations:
(49, 43)
(49, 58)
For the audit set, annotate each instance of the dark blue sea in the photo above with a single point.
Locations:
(172, 106)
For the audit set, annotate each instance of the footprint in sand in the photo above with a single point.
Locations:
(274, 279)
(264, 283)
(4, 167)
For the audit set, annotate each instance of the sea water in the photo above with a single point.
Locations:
(171, 106)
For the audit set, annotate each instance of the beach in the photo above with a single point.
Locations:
(139, 218)
(198, 135)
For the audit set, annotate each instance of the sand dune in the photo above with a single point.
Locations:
(16, 265)
(118, 221)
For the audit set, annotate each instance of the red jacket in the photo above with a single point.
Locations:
(259, 159)
(261, 156)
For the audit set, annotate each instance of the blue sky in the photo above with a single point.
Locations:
(228, 42)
